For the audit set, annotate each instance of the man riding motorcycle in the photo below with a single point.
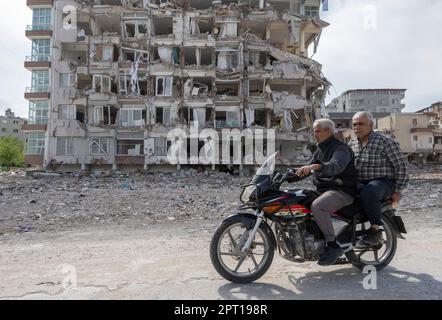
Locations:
(335, 178)
(382, 171)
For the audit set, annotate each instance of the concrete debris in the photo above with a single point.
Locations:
(40, 203)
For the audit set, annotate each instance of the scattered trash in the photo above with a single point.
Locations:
(24, 229)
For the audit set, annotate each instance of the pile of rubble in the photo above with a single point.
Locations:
(51, 201)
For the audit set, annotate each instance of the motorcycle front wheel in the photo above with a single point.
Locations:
(234, 265)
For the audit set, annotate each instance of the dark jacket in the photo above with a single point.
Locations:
(338, 171)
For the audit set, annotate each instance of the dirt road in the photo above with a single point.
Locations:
(171, 261)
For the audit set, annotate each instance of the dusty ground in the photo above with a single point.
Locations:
(147, 237)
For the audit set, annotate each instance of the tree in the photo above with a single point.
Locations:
(11, 152)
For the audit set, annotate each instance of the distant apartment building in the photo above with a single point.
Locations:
(107, 91)
(373, 100)
(414, 134)
(10, 125)
(434, 114)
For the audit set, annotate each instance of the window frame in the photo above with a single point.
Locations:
(66, 148)
(35, 143)
(98, 142)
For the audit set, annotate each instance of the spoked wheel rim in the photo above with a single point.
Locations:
(377, 255)
(242, 264)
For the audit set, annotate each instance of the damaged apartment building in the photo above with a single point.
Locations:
(111, 78)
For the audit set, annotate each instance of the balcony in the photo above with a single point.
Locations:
(37, 62)
(438, 147)
(33, 127)
(39, 3)
(421, 130)
(37, 93)
(38, 31)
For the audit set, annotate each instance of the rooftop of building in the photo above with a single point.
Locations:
(370, 90)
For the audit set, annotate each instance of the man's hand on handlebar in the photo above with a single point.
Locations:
(304, 171)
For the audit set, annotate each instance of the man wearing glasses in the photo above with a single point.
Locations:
(382, 170)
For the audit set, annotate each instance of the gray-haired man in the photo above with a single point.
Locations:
(332, 160)
(382, 169)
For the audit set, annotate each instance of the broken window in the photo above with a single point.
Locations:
(197, 117)
(198, 56)
(200, 4)
(102, 84)
(162, 26)
(227, 119)
(99, 146)
(129, 54)
(132, 118)
(68, 80)
(197, 87)
(162, 145)
(200, 25)
(228, 89)
(192, 56)
(258, 59)
(164, 86)
(130, 147)
(163, 115)
(65, 146)
(228, 58)
(228, 27)
(105, 115)
(135, 28)
(256, 87)
(106, 53)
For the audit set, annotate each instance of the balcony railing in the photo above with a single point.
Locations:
(38, 121)
(39, 27)
(37, 89)
(38, 58)
(220, 124)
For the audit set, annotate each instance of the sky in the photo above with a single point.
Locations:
(369, 44)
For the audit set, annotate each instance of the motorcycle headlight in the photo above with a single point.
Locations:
(248, 193)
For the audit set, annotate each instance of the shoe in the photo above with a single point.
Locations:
(372, 237)
(330, 256)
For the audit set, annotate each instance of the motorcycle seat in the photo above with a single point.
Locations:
(356, 208)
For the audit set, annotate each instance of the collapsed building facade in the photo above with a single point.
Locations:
(120, 74)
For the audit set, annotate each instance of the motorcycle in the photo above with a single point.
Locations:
(243, 246)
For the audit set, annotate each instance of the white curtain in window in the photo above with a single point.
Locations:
(165, 54)
(250, 117)
(199, 117)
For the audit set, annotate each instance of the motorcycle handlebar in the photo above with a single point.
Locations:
(289, 176)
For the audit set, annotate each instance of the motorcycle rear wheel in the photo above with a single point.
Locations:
(380, 262)
(226, 256)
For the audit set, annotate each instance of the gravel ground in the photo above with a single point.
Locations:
(42, 203)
